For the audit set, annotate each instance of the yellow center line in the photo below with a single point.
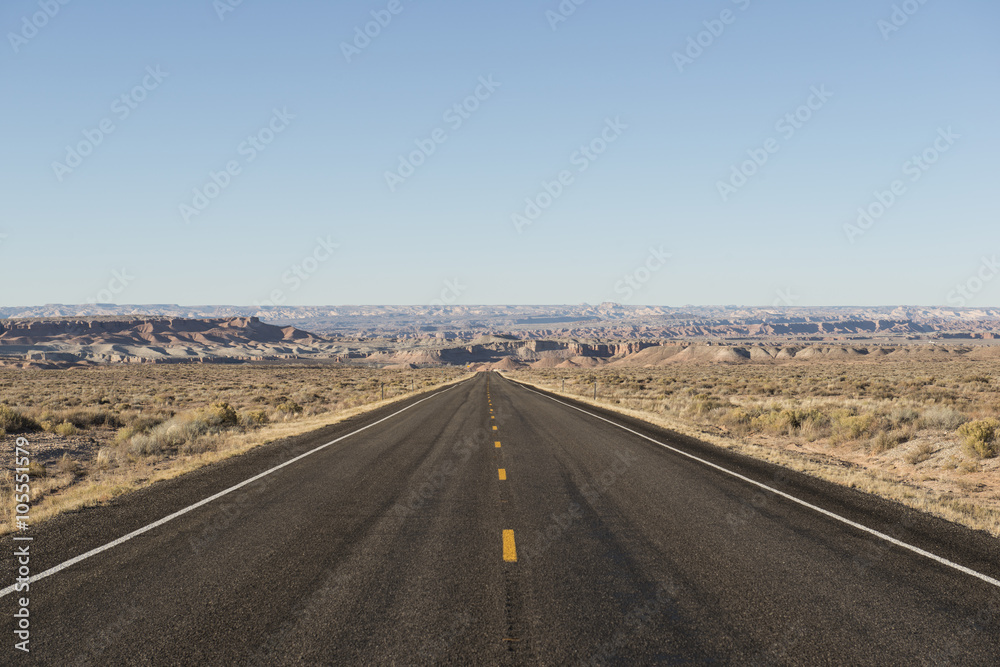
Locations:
(494, 428)
(509, 550)
(503, 474)
(497, 444)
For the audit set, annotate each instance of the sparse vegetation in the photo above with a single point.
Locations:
(290, 407)
(65, 429)
(981, 437)
(922, 453)
(13, 421)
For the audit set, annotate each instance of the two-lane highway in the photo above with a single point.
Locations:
(493, 524)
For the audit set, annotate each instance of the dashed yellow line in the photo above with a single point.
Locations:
(503, 474)
(509, 550)
(497, 444)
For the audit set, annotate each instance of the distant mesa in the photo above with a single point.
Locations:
(59, 341)
(500, 337)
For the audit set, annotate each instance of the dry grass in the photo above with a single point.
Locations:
(922, 433)
(99, 432)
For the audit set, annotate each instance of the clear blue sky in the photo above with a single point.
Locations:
(655, 186)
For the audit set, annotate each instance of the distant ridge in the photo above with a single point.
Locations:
(60, 342)
(605, 321)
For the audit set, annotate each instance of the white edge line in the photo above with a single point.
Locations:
(917, 550)
(135, 533)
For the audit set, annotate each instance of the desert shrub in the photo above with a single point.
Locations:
(105, 458)
(969, 466)
(882, 391)
(88, 418)
(289, 407)
(899, 416)
(171, 434)
(941, 417)
(738, 420)
(205, 443)
(124, 434)
(704, 404)
(65, 429)
(182, 432)
(772, 421)
(67, 465)
(815, 427)
(981, 437)
(848, 427)
(136, 424)
(255, 418)
(147, 444)
(222, 414)
(920, 454)
(37, 470)
(13, 421)
(737, 416)
(886, 440)
(787, 421)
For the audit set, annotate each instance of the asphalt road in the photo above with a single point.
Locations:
(403, 544)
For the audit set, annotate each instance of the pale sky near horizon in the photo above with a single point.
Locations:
(600, 155)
